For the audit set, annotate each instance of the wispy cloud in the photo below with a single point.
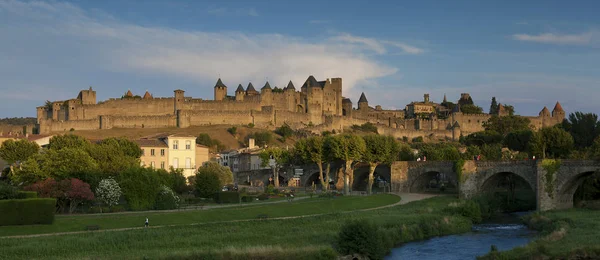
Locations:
(553, 38)
(67, 36)
(237, 12)
(376, 45)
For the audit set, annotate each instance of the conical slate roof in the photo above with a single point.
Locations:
(363, 98)
(290, 86)
(267, 86)
(220, 84)
(129, 94)
(250, 88)
(558, 107)
(456, 124)
(239, 88)
(545, 111)
(346, 100)
(311, 81)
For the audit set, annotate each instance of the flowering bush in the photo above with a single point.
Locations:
(109, 192)
(166, 199)
(68, 192)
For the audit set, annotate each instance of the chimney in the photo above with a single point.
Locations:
(251, 143)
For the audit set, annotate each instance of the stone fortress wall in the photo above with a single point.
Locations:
(318, 106)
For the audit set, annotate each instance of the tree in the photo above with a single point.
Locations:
(311, 150)
(77, 193)
(518, 140)
(551, 142)
(126, 146)
(584, 127)
(509, 109)
(224, 173)
(207, 181)
(483, 137)
(213, 144)
(113, 158)
(406, 153)
(471, 109)
(109, 192)
(68, 141)
(379, 150)
(350, 149)
(507, 124)
(18, 151)
(276, 157)
(61, 163)
(494, 107)
(262, 138)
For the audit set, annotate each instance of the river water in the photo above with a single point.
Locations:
(468, 245)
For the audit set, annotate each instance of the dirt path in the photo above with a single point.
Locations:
(405, 198)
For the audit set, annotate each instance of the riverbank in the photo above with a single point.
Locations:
(567, 234)
(295, 238)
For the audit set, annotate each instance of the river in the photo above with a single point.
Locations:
(506, 233)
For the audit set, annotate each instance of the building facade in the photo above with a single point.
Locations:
(177, 151)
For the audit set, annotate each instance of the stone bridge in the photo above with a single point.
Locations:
(553, 182)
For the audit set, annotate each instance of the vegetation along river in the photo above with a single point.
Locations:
(505, 233)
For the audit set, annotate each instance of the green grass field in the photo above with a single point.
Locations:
(65, 223)
(301, 238)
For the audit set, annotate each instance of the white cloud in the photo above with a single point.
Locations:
(552, 38)
(378, 46)
(60, 32)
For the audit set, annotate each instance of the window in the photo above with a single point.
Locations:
(152, 164)
(152, 152)
(188, 145)
(188, 163)
(162, 165)
(175, 145)
(143, 152)
(175, 162)
(162, 152)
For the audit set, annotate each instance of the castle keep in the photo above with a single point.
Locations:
(316, 107)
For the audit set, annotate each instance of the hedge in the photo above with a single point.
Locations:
(227, 197)
(27, 211)
(248, 198)
(28, 195)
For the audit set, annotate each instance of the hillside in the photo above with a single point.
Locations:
(218, 132)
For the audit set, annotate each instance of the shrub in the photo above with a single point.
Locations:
(108, 192)
(227, 197)
(469, 209)
(418, 139)
(166, 199)
(360, 237)
(8, 191)
(27, 211)
(263, 196)
(270, 189)
(232, 130)
(285, 131)
(366, 127)
(248, 198)
(262, 138)
(251, 125)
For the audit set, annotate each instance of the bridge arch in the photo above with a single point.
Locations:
(432, 179)
(495, 174)
(565, 191)
(361, 176)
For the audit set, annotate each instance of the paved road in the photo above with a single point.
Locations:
(405, 198)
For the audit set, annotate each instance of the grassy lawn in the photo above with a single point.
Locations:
(568, 234)
(112, 221)
(303, 238)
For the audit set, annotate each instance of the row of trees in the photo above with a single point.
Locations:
(323, 151)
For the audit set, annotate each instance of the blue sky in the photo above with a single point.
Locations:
(529, 54)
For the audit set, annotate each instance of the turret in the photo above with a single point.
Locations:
(87, 97)
(220, 90)
(147, 95)
(362, 102)
(558, 112)
(179, 99)
(502, 110)
(266, 95)
(239, 93)
(290, 87)
(426, 98)
(346, 107)
(250, 91)
(545, 112)
(456, 131)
